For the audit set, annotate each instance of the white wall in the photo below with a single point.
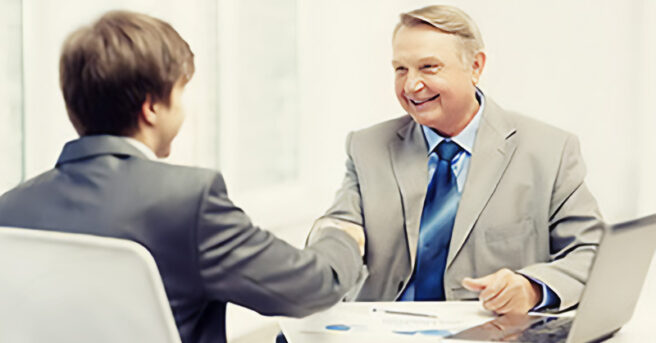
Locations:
(647, 114)
(11, 88)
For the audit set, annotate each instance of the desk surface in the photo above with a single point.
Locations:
(638, 329)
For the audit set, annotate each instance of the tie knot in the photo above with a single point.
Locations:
(447, 150)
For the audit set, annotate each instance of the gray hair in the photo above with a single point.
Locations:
(448, 19)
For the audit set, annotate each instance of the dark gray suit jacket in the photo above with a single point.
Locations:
(207, 250)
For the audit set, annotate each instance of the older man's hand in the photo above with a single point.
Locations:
(354, 230)
(357, 233)
(505, 292)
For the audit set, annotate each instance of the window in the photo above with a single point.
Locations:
(258, 92)
(259, 118)
(11, 94)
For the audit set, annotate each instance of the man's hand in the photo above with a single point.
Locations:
(505, 292)
(353, 230)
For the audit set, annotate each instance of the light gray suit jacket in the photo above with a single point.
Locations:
(524, 205)
(207, 250)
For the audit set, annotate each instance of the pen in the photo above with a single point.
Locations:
(404, 313)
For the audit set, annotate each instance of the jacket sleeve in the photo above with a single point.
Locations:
(347, 205)
(242, 264)
(575, 227)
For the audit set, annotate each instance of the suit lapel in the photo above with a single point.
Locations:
(409, 157)
(492, 152)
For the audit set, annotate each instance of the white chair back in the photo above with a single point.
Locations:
(62, 287)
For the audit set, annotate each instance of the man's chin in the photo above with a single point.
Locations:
(425, 119)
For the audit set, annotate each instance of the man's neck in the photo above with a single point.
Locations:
(142, 145)
(456, 129)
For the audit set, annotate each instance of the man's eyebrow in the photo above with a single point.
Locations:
(430, 60)
(421, 61)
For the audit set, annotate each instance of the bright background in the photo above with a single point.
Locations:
(279, 84)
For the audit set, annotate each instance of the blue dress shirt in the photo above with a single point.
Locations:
(460, 166)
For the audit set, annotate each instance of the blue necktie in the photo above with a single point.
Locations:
(437, 220)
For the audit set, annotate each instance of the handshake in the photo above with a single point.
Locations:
(501, 292)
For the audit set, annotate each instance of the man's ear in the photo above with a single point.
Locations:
(478, 64)
(148, 111)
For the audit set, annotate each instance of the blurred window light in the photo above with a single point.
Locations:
(11, 94)
(258, 78)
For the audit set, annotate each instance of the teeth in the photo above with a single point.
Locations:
(424, 101)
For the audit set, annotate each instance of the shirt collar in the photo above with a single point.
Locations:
(143, 148)
(465, 139)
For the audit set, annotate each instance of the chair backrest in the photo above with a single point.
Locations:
(62, 287)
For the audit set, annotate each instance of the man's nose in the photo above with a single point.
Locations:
(414, 85)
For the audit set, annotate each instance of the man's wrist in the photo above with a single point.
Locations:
(547, 297)
(537, 293)
(353, 230)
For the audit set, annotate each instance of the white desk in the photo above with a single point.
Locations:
(295, 329)
(641, 328)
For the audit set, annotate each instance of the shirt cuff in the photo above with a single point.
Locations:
(549, 298)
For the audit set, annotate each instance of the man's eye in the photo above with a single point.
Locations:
(400, 69)
(431, 68)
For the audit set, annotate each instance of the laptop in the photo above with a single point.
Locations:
(608, 300)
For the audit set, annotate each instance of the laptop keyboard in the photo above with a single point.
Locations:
(550, 330)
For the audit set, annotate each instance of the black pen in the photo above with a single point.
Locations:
(403, 313)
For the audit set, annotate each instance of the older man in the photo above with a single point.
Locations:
(462, 199)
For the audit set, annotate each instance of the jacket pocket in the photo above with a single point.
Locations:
(509, 233)
(511, 245)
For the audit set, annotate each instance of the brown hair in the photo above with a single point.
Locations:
(108, 69)
(448, 19)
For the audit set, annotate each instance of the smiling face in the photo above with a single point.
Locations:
(432, 82)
